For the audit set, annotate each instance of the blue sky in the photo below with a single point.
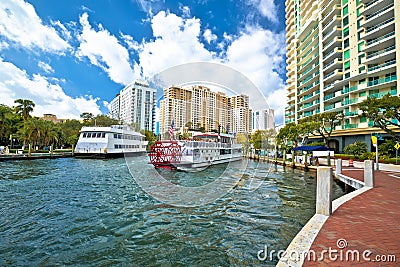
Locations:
(72, 56)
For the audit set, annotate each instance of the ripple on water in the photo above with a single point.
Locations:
(92, 212)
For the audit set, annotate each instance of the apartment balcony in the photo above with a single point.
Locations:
(334, 75)
(309, 79)
(335, 42)
(384, 55)
(313, 42)
(348, 102)
(333, 97)
(336, 63)
(386, 66)
(350, 114)
(308, 70)
(383, 82)
(379, 30)
(371, 7)
(329, 5)
(310, 61)
(308, 88)
(336, 10)
(335, 31)
(380, 43)
(385, 13)
(335, 21)
(334, 53)
(350, 126)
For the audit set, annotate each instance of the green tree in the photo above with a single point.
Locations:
(105, 121)
(244, 140)
(384, 113)
(322, 125)
(87, 118)
(150, 137)
(70, 132)
(24, 107)
(387, 148)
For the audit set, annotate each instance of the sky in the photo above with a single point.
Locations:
(74, 56)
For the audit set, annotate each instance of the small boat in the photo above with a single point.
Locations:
(109, 142)
(202, 151)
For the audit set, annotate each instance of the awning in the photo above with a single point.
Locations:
(312, 148)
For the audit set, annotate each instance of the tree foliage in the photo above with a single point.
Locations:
(383, 112)
(24, 107)
(322, 125)
(357, 148)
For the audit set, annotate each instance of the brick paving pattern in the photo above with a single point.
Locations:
(370, 221)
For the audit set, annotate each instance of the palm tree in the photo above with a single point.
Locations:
(24, 108)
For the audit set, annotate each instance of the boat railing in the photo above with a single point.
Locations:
(200, 144)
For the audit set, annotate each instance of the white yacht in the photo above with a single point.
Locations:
(192, 155)
(108, 142)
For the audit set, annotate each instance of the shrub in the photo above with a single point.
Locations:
(367, 155)
(356, 148)
(387, 148)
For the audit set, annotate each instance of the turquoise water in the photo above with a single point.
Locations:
(80, 212)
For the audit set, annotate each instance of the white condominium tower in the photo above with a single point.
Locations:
(135, 105)
(339, 52)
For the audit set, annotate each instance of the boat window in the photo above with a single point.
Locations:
(98, 135)
(103, 135)
(120, 136)
(84, 135)
(115, 146)
(115, 136)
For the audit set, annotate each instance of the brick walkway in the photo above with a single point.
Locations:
(370, 221)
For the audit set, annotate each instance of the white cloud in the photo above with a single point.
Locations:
(177, 42)
(46, 67)
(267, 8)
(105, 51)
(209, 36)
(260, 62)
(48, 97)
(185, 11)
(20, 24)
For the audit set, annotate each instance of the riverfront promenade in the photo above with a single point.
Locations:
(369, 221)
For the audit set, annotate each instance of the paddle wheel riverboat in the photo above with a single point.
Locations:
(202, 151)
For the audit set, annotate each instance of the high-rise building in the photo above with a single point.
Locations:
(339, 52)
(263, 119)
(135, 105)
(198, 106)
(240, 114)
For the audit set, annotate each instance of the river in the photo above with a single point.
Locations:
(82, 212)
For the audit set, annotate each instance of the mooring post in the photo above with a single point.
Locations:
(324, 191)
(338, 166)
(29, 150)
(369, 180)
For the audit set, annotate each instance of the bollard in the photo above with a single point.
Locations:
(324, 191)
(338, 166)
(369, 173)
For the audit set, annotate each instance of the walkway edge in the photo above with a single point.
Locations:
(302, 242)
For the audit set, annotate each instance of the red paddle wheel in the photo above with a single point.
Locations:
(163, 154)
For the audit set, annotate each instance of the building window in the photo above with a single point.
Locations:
(344, 2)
(358, 11)
(358, 2)
(362, 81)
(361, 69)
(346, 43)
(346, 32)
(363, 119)
(345, 10)
(360, 46)
(346, 54)
(346, 21)
(362, 94)
(360, 57)
(359, 23)
(346, 65)
(347, 75)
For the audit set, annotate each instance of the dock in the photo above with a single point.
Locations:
(9, 157)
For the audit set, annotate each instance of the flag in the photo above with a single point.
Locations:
(171, 130)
